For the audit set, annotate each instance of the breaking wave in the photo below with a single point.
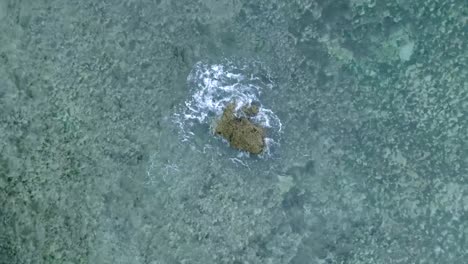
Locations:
(213, 86)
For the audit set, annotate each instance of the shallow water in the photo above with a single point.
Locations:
(108, 156)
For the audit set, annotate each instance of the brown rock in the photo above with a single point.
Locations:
(251, 110)
(241, 132)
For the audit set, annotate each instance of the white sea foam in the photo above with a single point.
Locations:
(213, 86)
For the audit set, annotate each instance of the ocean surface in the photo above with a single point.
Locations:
(107, 150)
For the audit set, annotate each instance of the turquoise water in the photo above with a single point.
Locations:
(106, 146)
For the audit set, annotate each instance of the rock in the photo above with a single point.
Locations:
(241, 132)
(251, 110)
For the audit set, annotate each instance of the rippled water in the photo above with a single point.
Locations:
(107, 153)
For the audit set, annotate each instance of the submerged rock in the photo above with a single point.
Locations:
(241, 132)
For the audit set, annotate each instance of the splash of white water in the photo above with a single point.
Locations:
(213, 86)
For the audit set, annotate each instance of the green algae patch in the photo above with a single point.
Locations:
(241, 132)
